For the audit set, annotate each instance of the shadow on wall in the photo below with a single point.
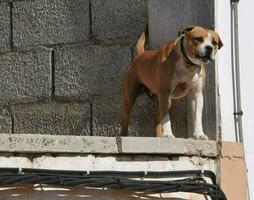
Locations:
(30, 193)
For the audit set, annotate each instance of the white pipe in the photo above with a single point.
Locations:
(233, 69)
(236, 72)
(236, 75)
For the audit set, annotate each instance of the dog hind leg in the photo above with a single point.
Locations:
(158, 126)
(131, 90)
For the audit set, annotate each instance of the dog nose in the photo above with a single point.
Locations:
(209, 49)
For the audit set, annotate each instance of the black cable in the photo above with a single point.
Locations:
(117, 180)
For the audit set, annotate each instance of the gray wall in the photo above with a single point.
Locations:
(62, 62)
(61, 66)
(166, 18)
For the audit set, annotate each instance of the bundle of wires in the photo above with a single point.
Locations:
(135, 181)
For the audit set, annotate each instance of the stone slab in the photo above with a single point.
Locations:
(168, 146)
(28, 143)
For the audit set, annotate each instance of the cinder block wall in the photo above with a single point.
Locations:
(61, 66)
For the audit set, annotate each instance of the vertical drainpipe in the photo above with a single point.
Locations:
(236, 72)
(236, 75)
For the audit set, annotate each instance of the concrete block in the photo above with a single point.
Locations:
(144, 146)
(31, 143)
(4, 24)
(52, 118)
(165, 19)
(107, 116)
(118, 19)
(25, 75)
(91, 70)
(50, 22)
(5, 120)
(176, 146)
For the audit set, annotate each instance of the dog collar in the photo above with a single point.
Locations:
(188, 62)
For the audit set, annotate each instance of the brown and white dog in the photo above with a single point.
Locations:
(170, 73)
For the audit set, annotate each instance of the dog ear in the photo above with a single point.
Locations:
(185, 30)
(220, 43)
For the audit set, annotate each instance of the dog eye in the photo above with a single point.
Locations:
(214, 43)
(198, 39)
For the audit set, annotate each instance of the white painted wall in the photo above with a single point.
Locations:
(246, 32)
(224, 70)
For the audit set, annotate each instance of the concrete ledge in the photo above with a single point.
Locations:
(30, 143)
(177, 146)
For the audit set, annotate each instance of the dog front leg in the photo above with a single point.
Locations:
(164, 105)
(197, 109)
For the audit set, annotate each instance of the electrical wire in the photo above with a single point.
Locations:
(195, 183)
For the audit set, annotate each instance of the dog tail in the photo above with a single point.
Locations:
(140, 46)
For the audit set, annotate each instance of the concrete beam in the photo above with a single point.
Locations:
(30, 143)
(177, 146)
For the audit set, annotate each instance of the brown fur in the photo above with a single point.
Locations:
(155, 69)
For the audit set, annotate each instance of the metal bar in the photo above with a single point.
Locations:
(233, 69)
(236, 74)
(237, 65)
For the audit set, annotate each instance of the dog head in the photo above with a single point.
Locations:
(200, 44)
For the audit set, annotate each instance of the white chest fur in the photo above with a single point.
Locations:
(184, 79)
(184, 74)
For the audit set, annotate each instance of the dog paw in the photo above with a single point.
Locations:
(168, 135)
(200, 136)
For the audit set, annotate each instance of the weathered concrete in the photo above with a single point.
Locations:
(5, 120)
(52, 118)
(107, 145)
(50, 22)
(107, 116)
(25, 76)
(118, 19)
(110, 163)
(56, 144)
(4, 24)
(90, 70)
(168, 146)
